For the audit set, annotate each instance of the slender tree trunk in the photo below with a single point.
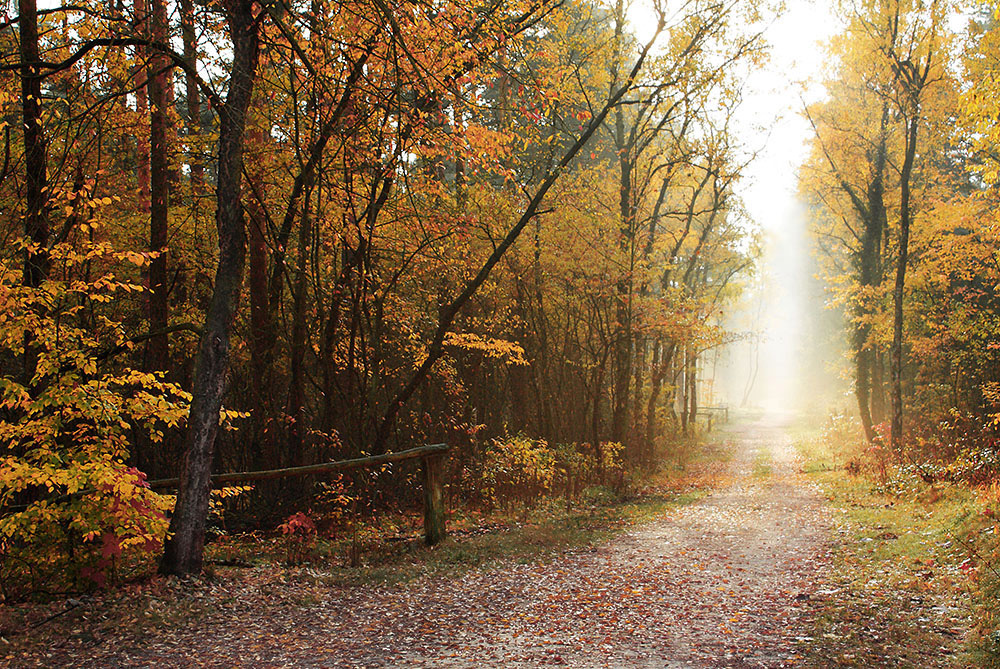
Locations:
(693, 388)
(262, 334)
(157, 346)
(623, 300)
(878, 386)
(622, 358)
(662, 362)
(192, 98)
(595, 418)
(632, 438)
(295, 407)
(862, 382)
(874, 219)
(36, 227)
(896, 370)
(685, 391)
(185, 545)
(142, 157)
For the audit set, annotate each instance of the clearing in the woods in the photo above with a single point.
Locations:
(739, 578)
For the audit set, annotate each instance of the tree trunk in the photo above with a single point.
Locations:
(295, 406)
(157, 346)
(692, 377)
(192, 98)
(878, 400)
(142, 167)
(896, 370)
(185, 545)
(262, 335)
(662, 362)
(869, 274)
(36, 227)
(685, 391)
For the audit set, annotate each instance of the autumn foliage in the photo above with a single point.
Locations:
(363, 226)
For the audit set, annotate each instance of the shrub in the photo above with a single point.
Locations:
(71, 504)
(299, 532)
(518, 469)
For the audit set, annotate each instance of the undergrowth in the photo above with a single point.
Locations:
(389, 547)
(384, 550)
(913, 578)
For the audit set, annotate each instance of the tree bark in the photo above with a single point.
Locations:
(185, 545)
(142, 156)
(662, 363)
(262, 336)
(36, 227)
(873, 217)
(896, 368)
(295, 406)
(157, 346)
(192, 98)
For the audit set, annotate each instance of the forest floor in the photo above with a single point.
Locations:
(739, 578)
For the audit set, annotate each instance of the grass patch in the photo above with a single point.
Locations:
(762, 468)
(898, 592)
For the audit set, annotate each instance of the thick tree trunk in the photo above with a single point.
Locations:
(185, 545)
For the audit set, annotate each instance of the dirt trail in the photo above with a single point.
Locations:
(718, 583)
(723, 582)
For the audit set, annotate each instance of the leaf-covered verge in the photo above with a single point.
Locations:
(913, 578)
(388, 555)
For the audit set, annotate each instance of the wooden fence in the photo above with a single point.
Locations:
(432, 456)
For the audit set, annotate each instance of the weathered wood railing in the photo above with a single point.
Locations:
(432, 455)
(714, 414)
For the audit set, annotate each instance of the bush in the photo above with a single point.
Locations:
(518, 470)
(71, 504)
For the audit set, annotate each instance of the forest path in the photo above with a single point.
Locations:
(723, 582)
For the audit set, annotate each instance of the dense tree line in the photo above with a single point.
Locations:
(342, 228)
(902, 184)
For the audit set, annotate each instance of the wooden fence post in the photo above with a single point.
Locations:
(434, 524)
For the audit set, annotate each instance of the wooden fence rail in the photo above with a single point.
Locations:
(714, 414)
(432, 455)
